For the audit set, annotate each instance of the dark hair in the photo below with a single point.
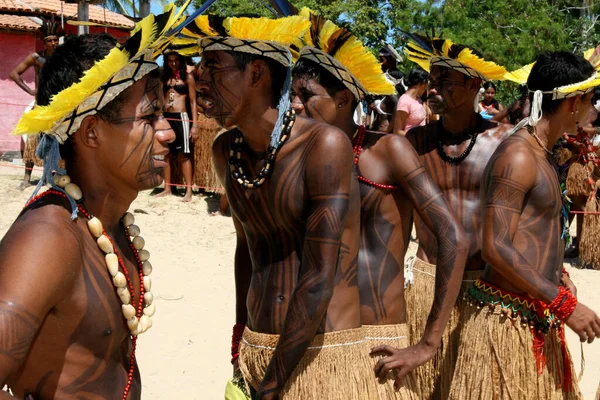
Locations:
(555, 69)
(415, 77)
(66, 66)
(489, 84)
(311, 70)
(166, 72)
(277, 70)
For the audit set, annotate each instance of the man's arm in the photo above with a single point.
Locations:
(509, 177)
(328, 174)
(19, 70)
(32, 281)
(428, 201)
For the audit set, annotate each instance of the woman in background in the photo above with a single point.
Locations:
(179, 89)
(411, 111)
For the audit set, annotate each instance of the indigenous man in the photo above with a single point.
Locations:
(63, 333)
(50, 31)
(454, 150)
(329, 82)
(516, 336)
(288, 181)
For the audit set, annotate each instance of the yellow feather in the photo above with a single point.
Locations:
(43, 118)
(520, 75)
(287, 31)
(357, 59)
(148, 28)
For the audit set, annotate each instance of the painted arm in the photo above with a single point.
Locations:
(19, 70)
(327, 180)
(509, 177)
(192, 96)
(452, 249)
(31, 283)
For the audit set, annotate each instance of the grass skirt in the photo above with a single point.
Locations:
(336, 366)
(29, 152)
(395, 336)
(497, 359)
(435, 377)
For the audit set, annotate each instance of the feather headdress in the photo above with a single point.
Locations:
(122, 67)
(428, 52)
(187, 42)
(521, 75)
(273, 38)
(50, 27)
(343, 55)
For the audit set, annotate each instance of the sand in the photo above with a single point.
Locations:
(186, 353)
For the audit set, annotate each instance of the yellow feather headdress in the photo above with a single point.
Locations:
(187, 42)
(122, 67)
(343, 55)
(521, 75)
(273, 38)
(427, 52)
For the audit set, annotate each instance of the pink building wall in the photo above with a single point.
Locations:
(14, 47)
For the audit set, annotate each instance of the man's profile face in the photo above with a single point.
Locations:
(311, 99)
(448, 90)
(219, 86)
(51, 43)
(133, 144)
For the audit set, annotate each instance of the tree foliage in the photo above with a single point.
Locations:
(511, 32)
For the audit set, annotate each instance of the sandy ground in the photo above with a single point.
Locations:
(186, 353)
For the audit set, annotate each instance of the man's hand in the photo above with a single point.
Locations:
(401, 361)
(585, 323)
(566, 281)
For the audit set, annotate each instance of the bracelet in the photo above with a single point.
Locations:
(238, 331)
(565, 272)
(563, 305)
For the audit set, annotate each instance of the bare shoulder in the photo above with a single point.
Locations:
(496, 132)
(324, 137)
(42, 250)
(45, 232)
(513, 154)
(392, 144)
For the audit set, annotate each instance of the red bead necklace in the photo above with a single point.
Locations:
(357, 142)
(140, 306)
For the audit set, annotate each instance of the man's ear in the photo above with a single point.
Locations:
(343, 98)
(87, 133)
(259, 70)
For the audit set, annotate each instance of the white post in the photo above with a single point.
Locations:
(83, 15)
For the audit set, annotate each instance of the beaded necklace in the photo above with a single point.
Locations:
(138, 318)
(235, 164)
(457, 160)
(357, 142)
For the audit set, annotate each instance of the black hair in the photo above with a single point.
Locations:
(166, 72)
(397, 75)
(311, 70)
(415, 77)
(555, 69)
(189, 60)
(277, 70)
(66, 66)
(489, 84)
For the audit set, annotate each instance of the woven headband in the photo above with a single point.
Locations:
(447, 62)
(337, 69)
(273, 50)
